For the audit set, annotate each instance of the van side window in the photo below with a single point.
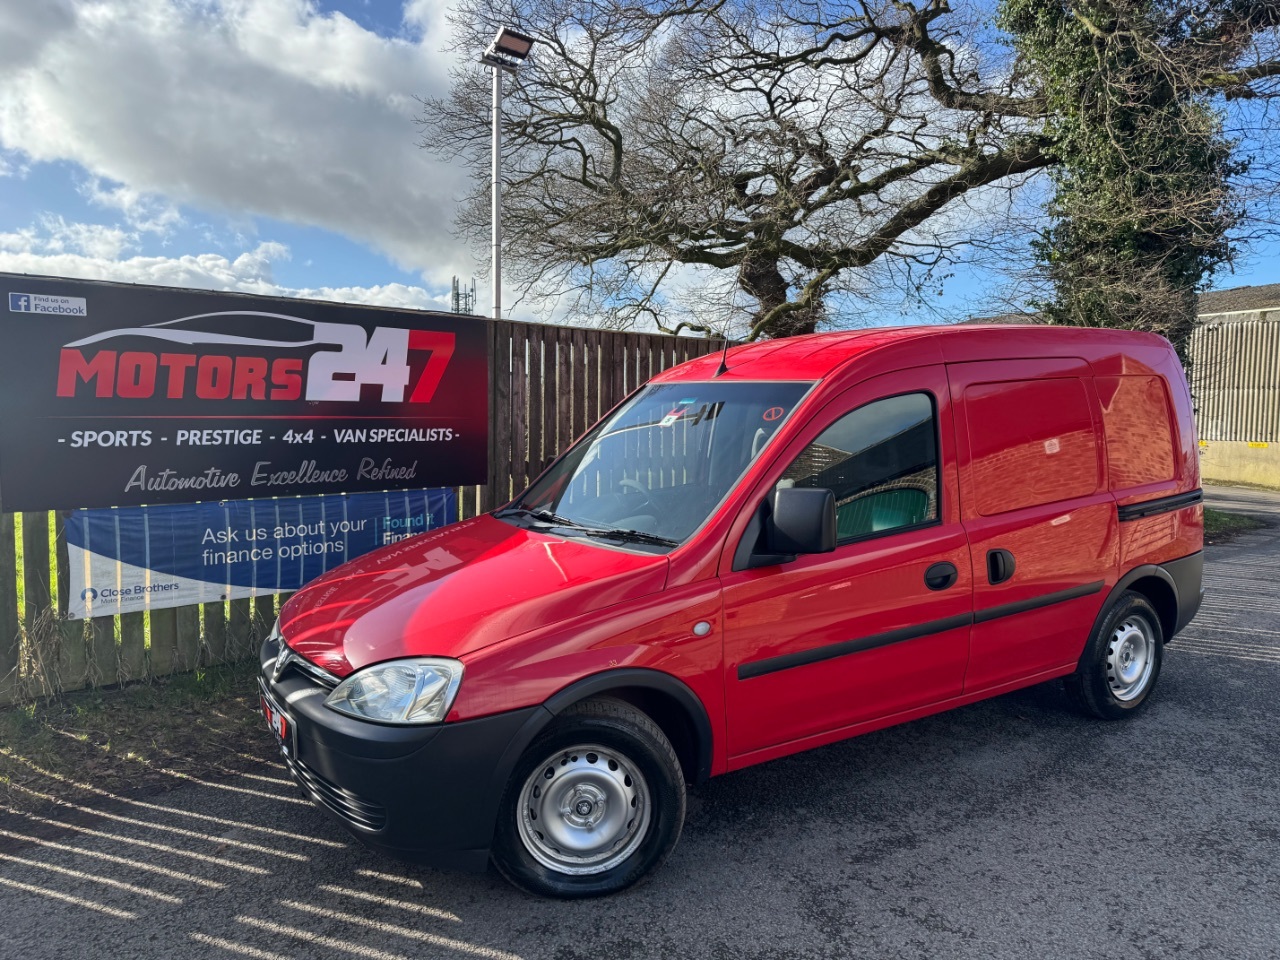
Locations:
(881, 461)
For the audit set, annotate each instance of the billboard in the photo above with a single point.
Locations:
(150, 558)
(119, 395)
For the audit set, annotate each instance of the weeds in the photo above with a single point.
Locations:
(132, 739)
(1222, 527)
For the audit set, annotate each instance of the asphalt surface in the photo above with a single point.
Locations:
(1012, 828)
(1263, 504)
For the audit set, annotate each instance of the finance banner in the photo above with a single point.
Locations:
(120, 395)
(150, 558)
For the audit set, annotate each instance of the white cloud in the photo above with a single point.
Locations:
(87, 239)
(55, 235)
(248, 107)
(144, 212)
(92, 252)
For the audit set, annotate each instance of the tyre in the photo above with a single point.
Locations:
(1121, 663)
(594, 805)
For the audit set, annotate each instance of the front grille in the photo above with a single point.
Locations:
(353, 809)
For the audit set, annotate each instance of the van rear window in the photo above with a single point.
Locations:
(1135, 412)
(1031, 442)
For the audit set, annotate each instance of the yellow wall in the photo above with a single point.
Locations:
(1225, 461)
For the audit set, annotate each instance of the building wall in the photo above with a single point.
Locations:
(1235, 381)
(1234, 462)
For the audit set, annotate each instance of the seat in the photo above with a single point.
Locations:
(881, 510)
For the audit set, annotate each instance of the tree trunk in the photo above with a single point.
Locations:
(759, 276)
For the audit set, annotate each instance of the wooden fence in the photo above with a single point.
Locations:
(547, 384)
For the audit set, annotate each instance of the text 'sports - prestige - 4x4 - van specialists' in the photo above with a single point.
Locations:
(812, 539)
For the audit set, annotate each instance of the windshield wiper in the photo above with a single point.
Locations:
(544, 516)
(629, 536)
(606, 533)
(640, 536)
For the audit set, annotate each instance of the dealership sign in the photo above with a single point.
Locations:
(119, 395)
(150, 558)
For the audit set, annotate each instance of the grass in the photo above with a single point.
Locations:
(139, 739)
(1222, 527)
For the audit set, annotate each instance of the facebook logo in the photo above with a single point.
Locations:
(42, 303)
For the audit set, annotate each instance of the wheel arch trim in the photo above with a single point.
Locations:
(1147, 571)
(1186, 599)
(624, 678)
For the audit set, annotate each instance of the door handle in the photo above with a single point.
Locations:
(941, 575)
(1000, 566)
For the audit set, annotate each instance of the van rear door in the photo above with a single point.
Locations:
(1041, 522)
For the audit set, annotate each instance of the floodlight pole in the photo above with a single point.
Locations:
(496, 192)
(507, 51)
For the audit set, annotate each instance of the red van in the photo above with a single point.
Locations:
(753, 555)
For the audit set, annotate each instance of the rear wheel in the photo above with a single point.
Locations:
(594, 804)
(1122, 662)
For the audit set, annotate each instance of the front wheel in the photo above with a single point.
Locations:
(1121, 664)
(594, 805)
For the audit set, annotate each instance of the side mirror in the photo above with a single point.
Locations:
(803, 520)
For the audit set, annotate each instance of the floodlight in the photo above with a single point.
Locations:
(511, 44)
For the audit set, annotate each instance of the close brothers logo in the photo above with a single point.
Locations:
(128, 594)
(288, 359)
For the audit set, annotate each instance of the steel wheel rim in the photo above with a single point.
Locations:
(583, 810)
(1130, 659)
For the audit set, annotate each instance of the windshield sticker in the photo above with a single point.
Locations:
(773, 413)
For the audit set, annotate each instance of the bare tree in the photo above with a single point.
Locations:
(692, 164)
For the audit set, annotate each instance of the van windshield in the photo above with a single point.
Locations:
(656, 469)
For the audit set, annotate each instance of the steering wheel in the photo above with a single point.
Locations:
(626, 483)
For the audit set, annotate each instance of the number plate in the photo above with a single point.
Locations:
(281, 723)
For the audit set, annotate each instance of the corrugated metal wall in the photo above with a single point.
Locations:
(1235, 377)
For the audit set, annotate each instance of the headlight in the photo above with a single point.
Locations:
(420, 690)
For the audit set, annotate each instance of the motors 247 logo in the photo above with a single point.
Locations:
(251, 355)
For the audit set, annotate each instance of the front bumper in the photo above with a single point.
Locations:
(428, 794)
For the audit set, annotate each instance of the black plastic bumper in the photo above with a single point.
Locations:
(427, 794)
(1188, 580)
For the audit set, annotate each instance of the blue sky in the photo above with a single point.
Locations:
(260, 145)
(266, 146)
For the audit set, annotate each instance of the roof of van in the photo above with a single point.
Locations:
(816, 356)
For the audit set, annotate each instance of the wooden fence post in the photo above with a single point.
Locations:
(520, 455)
(10, 638)
(163, 649)
(73, 657)
(38, 626)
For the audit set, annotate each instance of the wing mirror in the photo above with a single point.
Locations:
(802, 520)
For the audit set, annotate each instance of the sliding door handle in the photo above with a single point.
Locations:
(1000, 566)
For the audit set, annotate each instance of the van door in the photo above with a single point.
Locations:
(1041, 522)
(880, 625)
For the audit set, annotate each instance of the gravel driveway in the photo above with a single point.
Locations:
(1012, 828)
